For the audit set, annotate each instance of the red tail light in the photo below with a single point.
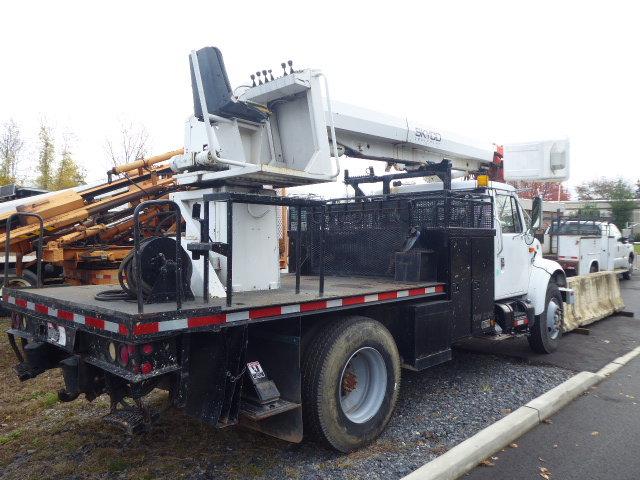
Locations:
(146, 368)
(147, 349)
(123, 357)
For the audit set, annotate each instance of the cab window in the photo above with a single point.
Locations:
(507, 213)
(614, 232)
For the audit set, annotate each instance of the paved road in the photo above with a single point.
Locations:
(595, 437)
(598, 435)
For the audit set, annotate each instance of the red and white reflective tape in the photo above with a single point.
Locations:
(277, 310)
(85, 320)
(221, 318)
(521, 322)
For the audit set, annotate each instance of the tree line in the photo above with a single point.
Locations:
(51, 172)
(621, 195)
(59, 171)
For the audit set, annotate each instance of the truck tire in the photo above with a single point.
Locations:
(546, 331)
(594, 267)
(28, 279)
(350, 382)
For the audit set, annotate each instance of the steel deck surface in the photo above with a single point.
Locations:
(83, 297)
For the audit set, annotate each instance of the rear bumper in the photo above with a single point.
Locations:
(568, 264)
(41, 344)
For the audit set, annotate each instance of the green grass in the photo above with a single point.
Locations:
(4, 439)
(49, 399)
(636, 248)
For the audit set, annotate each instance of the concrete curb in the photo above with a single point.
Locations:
(466, 455)
(615, 365)
(549, 403)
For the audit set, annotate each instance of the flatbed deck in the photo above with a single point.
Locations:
(79, 305)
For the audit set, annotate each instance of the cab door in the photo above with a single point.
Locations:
(617, 250)
(513, 259)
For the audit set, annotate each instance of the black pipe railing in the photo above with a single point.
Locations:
(229, 198)
(229, 251)
(136, 247)
(7, 246)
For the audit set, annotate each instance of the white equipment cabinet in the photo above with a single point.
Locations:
(255, 238)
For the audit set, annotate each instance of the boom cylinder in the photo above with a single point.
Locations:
(144, 162)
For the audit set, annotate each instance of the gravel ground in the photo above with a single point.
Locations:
(436, 410)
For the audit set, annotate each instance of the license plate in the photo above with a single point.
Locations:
(56, 334)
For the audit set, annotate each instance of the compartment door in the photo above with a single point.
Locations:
(461, 287)
(482, 285)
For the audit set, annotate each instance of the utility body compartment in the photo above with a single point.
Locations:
(426, 335)
(430, 328)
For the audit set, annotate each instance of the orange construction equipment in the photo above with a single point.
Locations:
(87, 231)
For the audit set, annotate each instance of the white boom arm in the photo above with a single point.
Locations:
(293, 144)
(368, 134)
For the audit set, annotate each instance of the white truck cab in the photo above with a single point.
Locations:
(587, 246)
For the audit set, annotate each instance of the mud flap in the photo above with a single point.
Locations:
(276, 346)
(214, 365)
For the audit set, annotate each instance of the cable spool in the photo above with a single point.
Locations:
(157, 279)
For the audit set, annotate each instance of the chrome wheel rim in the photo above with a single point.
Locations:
(363, 384)
(554, 318)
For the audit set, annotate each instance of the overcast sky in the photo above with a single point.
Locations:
(496, 71)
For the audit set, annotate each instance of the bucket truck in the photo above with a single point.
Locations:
(376, 283)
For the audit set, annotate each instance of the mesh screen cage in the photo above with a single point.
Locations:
(362, 235)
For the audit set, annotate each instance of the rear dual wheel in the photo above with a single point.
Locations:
(351, 379)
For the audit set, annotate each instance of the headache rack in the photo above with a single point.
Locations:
(360, 236)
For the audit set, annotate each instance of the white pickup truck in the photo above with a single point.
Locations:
(585, 246)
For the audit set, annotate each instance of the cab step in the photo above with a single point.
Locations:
(497, 338)
(255, 411)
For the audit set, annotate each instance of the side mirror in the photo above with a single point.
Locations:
(623, 239)
(195, 211)
(536, 214)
